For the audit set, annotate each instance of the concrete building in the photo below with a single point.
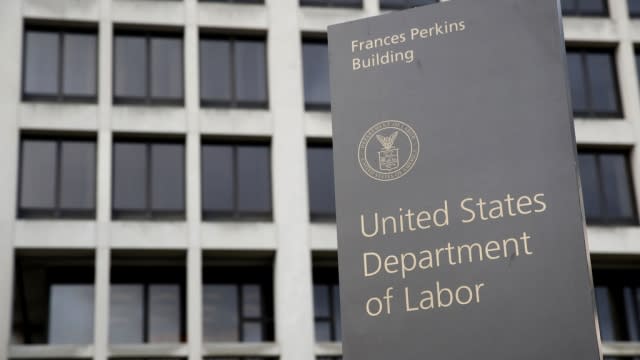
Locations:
(166, 188)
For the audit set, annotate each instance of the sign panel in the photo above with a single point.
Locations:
(460, 227)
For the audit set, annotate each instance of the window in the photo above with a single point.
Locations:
(147, 299)
(594, 86)
(404, 4)
(332, 3)
(584, 7)
(53, 298)
(326, 300)
(321, 192)
(618, 302)
(236, 181)
(634, 8)
(148, 179)
(237, 303)
(148, 68)
(57, 177)
(59, 65)
(233, 72)
(315, 58)
(606, 187)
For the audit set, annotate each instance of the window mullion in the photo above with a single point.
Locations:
(235, 177)
(232, 67)
(58, 176)
(148, 180)
(148, 69)
(61, 36)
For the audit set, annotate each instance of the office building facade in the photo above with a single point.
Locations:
(167, 184)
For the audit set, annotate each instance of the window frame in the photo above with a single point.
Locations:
(331, 4)
(406, 5)
(319, 217)
(173, 272)
(325, 273)
(231, 39)
(322, 40)
(60, 32)
(245, 273)
(147, 99)
(148, 213)
(235, 214)
(56, 212)
(585, 13)
(606, 220)
(615, 279)
(584, 52)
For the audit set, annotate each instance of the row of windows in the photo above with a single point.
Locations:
(54, 301)
(58, 179)
(148, 69)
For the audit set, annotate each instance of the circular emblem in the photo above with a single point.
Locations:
(388, 150)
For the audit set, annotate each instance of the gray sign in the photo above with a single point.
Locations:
(460, 226)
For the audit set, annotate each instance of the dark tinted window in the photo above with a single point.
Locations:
(321, 192)
(148, 179)
(148, 68)
(584, 7)
(237, 304)
(57, 178)
(326, 300)
(233, 72)
(634, 8)
(404, 4)
(315, 58)
(147, 300)
(606, 187)
(594, 87)
(53, 299)
(236, 180)
(59, 65)
(336, 3)
(617, 298)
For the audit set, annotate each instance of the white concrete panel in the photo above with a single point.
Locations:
(590, 30)
(149, 119)
(317, 124)
(328, 349)
(604, 131)
(74, 234)
(238, 236)
(241, 349)
(615, 240)
(323, 236)
(58, 116)
(79, 10)
(148, 235)
(316, 19)
(148, 350)
(148, 12)
(49, 351)
(228, 16)
(219, 121)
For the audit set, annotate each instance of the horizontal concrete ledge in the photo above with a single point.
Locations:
(148, 235)
(150, 12)
(241, 349)
(233, 16)
(153, 119)
(62, 234)
(317, 124)
(328, 349)
(324, 236)
(145, 350)
(58, 116)
(236, 122)
(614, 240)
(316, 19)
(238, 236)
(75, 10)
(604, 132)
(621, 348)
(50, 351)
(590, 30)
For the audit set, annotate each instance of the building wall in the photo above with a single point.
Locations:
(291, 237)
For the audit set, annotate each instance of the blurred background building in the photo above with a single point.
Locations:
(166, 187)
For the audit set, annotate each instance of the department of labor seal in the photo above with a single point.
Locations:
(388, 150)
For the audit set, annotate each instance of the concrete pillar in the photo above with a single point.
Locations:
(10, 71)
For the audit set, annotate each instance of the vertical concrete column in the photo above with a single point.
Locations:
(103, 204)
(293, 295)
(194, 253)
(627, 79)
(10, 70)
